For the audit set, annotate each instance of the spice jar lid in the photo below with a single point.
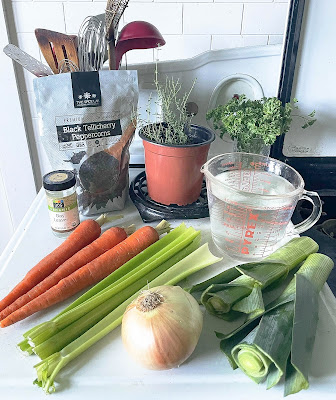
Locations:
(59, 180)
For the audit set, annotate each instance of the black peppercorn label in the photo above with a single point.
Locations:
(77, 135)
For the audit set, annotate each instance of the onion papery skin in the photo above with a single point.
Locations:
(163, 338)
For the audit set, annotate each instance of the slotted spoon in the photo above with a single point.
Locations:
(56, 47)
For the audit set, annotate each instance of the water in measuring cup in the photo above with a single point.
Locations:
(247, 227)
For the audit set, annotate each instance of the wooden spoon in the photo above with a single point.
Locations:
(93, 171)
(56, 47)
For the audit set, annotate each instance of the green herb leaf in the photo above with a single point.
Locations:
(248, 121)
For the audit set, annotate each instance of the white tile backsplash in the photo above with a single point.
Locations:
(264, 18)
(184, 1)
(275, 39)
(27, 84)
(184, 46)
(138, 56)
(189, 27)
(213, 18)
(166, 17)
(245, 1)
(27, 42)
(232, 41)
(228, 23)
(75, 12)
(31, 15)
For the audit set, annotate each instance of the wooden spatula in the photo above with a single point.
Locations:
(57, 47)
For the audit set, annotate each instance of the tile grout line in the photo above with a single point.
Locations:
(242, 19)
(65, 26)
(182, 19)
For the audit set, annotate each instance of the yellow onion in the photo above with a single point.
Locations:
(161, 327)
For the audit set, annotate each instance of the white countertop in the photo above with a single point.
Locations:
(106, 371)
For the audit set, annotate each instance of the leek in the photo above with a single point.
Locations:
(48, 369)
(243, 297)
(282, 342)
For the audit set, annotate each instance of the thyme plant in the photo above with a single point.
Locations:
(171, 125)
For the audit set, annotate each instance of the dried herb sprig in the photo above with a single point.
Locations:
(171, 124)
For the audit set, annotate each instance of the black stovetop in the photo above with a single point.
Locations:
(324, 232)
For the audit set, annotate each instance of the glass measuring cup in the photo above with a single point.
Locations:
(251, 201)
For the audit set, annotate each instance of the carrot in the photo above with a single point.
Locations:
(86, 232)
(106, 241)
(91, 273)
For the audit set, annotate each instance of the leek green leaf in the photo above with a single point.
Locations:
(224, 277)
(282, 342)
(245, 293)
(252, 304)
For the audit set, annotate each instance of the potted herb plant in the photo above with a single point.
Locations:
(254, 125)
(175, 149)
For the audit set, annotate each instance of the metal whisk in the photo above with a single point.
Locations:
(91, 44)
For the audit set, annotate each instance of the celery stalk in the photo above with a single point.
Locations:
(91, 312)
(63, 319)
(25, 347)
(149, 255)
(48, 369)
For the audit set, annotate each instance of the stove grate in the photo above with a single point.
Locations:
(150, 210)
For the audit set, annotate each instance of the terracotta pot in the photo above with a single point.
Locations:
(173, 172)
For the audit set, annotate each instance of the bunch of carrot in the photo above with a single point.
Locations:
(83, 259)
(99, 310)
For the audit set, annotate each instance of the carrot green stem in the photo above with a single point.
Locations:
(129, 230)
(105, 218)
(163, 227)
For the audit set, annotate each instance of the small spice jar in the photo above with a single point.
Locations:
(60, 188)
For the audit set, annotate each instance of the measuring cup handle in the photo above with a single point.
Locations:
(315, 200)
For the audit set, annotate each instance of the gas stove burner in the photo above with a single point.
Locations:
(150, 210)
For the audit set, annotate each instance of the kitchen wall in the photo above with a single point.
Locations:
(17, 187)
(189, 28)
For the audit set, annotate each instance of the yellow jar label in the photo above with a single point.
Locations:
(63, 212)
